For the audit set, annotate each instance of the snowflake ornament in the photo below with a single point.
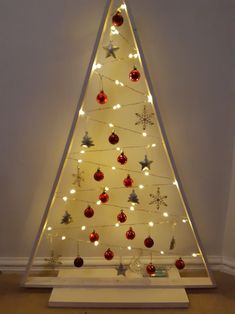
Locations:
(53, 260)
(145, 118)
(158, 199)
(78, 177)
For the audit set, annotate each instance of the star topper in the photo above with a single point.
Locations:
(145, 164)
(110, 50)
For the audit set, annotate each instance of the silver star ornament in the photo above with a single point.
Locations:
(145, 164)
(110, 50)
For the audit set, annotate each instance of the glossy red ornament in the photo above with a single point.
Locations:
(101, 98)
(121, 217)
(94, 236)
(78, 262)
(150, 268)
(122, 159)
(179, 263)
(98, 175)
(130, 234)
(134, 75)
(148, 242)
(89, 212)
(117, 19)
(128, 181)
(108, 254)
(113, 138)
(104, 197)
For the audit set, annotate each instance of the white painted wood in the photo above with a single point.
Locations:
(118, 298)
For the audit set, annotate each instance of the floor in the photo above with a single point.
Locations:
(17, 300)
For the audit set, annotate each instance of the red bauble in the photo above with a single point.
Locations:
(150, 268)
(104, 197)
(117, 19)
(113, 138)
(128, 181)
(89, 212)
(101, 98)
(134, 75)
(94, 236)
(122, 159)
(148, 242)
(130, 234)
(78, 262)
(108, 254)
(98, 175)
(179, 263)
(121, 217)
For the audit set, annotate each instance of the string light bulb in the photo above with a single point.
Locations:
(65, 198)
(63, 238)
(151, 224)
(144, 134)
(72, 191)
(96, 243)
(165, 214)
(49, 228)
(83, 228)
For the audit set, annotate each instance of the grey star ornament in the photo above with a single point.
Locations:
(110, 50)
(145, 164)
(121, 270)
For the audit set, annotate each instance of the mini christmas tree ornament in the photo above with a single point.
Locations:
(117, 19)
(89, 212)
(108, 254)
(145, 164)
(67, 218)
(150, 268)
(110, 50)
(121, 270)
(134, 75)
(113, 138)
(130, 234)
(121, 217)
(101, 98)
(78, 177)
(172, 244)
(128, 181)
(94, 236)
(148, 242)
(179, 264)
(122, 159)
(78, 262)
(104, 197)
(87, 141)
(133, 198)
(98, 175)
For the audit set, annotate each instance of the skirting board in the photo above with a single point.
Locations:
(18, 264)
(97, 295)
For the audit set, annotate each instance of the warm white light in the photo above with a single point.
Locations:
(162, 252)
(98, 65)
(79, 161)
(49, 228)
(81, 112)
(63, 238)
(72, 191)
(176, 184)
(136, 55)
(121, 84)
(184, 220)
(114, 31)
(118, 148)
(141, 186)
(123, 6)
(96, 243)
(129, 248)
(83, 228)
(117, 224)
(194, 254)
(82, 151)
(113, 168)
(146, 173)
(117, 82)
(154, 145)
(98, 202)
(150, 99)
(130, 55)
(144, 134)
(118, 106)
(65, 198)
(111, 125)
(132, 208)
(165, 214)
(106, 188)
(133, 204)
(151, 224)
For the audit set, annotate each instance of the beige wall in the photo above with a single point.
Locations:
(45, 47)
